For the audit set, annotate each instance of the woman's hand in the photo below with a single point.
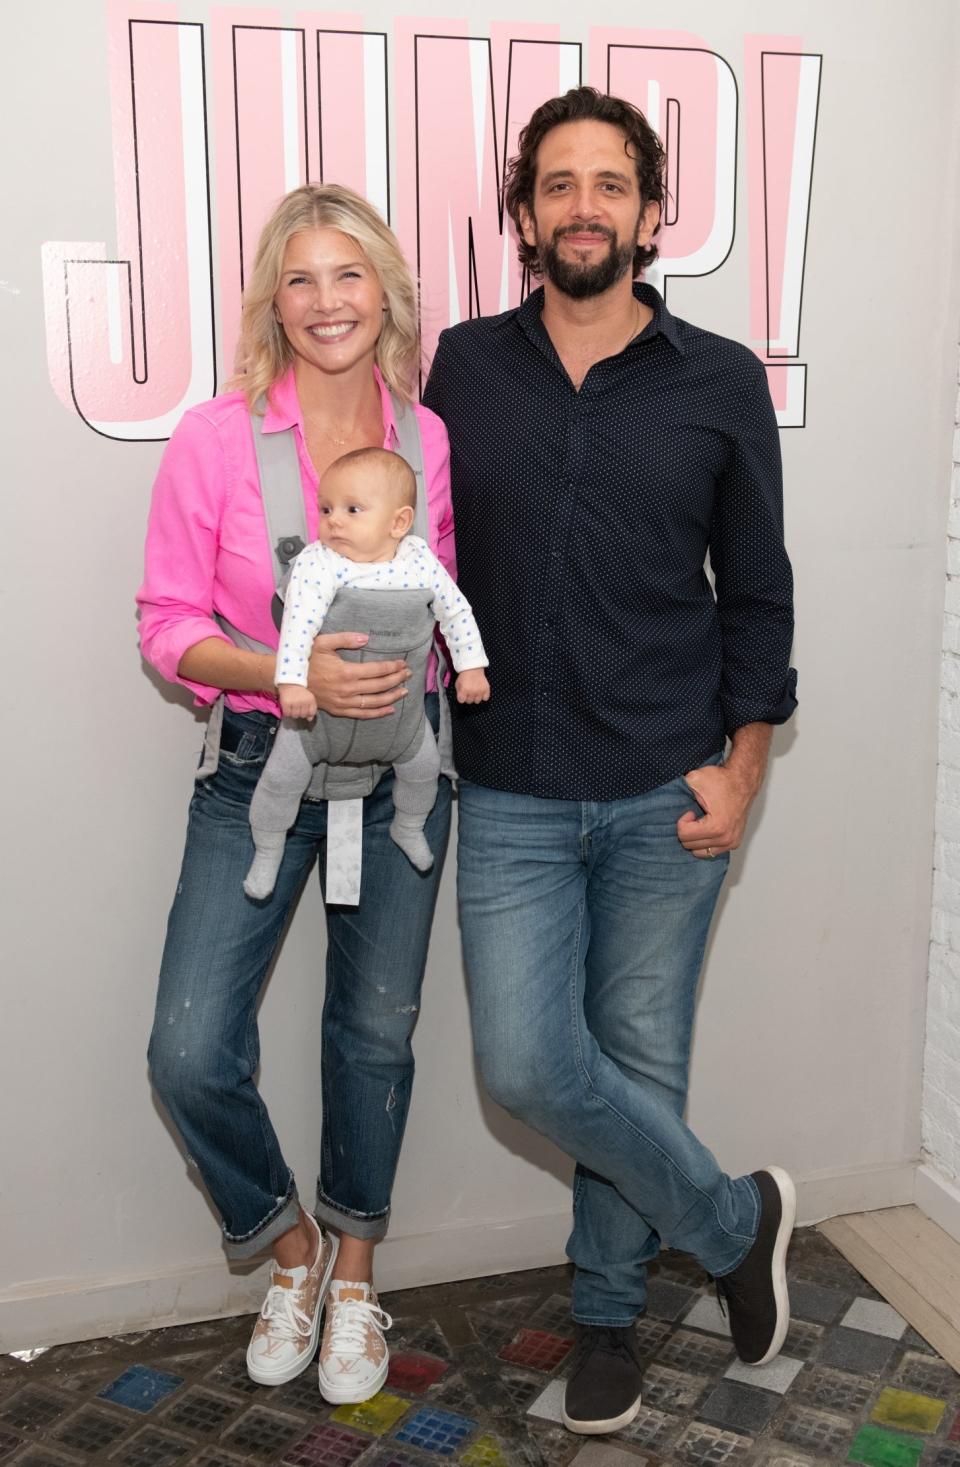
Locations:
(353, 689)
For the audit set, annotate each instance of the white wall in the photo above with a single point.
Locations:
(809, 1034)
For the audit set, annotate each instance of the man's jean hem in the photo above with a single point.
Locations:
(624, 1321)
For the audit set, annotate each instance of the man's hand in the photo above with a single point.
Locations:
(725, 793)
(472, 686)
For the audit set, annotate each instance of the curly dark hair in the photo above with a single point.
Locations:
(586, 104)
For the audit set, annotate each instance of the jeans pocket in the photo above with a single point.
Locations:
(250, 750)
(246, 739)
(714, 759)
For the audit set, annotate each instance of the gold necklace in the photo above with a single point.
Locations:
(340, 442)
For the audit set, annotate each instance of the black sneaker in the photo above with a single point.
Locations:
(603, 1388)
(755, 1293)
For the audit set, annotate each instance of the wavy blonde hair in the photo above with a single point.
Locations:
(263, 352)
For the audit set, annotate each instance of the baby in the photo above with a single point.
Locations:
(367, 502)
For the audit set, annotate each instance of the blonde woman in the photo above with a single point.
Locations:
(328, 342)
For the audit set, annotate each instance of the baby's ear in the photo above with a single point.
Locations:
(402, 521)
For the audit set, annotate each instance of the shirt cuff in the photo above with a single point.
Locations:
(738, 712)
(167, 648)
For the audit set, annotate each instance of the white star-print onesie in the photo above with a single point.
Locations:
(318, 574)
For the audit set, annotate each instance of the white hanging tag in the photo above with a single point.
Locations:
(344, 852)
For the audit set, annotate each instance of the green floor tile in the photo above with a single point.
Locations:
(486, 1451)
(376, 1415)
(908, 1411)
(878, 1448)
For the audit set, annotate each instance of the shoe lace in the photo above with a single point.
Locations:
(348, 1327)
(282, 1314)
(729, 1290)
(599, 1336)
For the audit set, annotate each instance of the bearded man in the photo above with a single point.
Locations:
(600, 448)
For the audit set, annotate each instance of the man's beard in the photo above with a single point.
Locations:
(581, 280)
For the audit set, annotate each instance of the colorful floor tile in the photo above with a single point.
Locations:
(878, 1448)
(414, 1373)
(376, 1416)
(486, 1451)
(907, 1411)
(140, 1388)
(536, 1349)
(477, 1379)
(436, 1431)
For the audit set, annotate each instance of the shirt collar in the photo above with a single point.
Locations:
(663, 323)
(530, 316)
(283, 407)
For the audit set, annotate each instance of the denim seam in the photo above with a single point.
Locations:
(265, 1221)
(575, 1007)
(270, 1150)
(651, 1146)
(383, 1212)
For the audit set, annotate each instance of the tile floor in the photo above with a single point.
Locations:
(477, 1378)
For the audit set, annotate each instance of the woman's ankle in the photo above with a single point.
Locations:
(296, 1248)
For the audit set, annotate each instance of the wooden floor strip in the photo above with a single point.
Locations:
(912, 1263)
(940, 1252)
(922, 1253)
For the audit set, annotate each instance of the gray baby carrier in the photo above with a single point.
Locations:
(350, 754)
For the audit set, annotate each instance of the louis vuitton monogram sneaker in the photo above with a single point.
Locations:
(285, 1335)
(354, 1359)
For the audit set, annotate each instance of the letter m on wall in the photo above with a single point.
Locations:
(467, 99)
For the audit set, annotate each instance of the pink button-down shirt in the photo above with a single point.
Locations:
(207, 547)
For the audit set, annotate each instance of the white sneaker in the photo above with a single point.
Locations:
(354, 1359)
(285, 1335)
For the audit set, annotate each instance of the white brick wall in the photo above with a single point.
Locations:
(941, 1079)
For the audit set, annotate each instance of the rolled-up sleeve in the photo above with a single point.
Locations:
(176, 597)
(753, 577)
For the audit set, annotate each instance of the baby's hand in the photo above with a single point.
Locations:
(296, 702)
(472, 686)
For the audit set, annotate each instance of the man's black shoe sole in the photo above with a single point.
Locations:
(599, 1428)
(788, 1216)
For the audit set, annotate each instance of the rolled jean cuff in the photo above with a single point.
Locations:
(606, 1321)
(362, 1225)
(739, 1253)
(285, 1216)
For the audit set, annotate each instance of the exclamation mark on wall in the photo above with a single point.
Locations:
(783, 94)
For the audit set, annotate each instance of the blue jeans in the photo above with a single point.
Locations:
(205, 1045)
(584, 925)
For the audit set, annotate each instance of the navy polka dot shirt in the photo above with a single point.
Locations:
(583, 522)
